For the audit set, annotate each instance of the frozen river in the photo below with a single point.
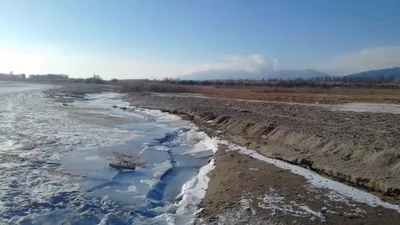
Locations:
(54, 161)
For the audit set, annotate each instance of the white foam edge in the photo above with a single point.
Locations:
(317, 180)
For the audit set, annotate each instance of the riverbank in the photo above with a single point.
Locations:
(244, 190)
(353, 147)
(357, 148)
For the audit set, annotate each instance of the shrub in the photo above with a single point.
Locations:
(152, 86)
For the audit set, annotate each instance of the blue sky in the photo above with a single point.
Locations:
(159, 38)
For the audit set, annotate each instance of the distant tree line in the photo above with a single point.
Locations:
(377, 81)
(95, 79)
(12, 77)
(53, 78)
(34, 77)
(388, 82)
(49, 77)
(358, 79)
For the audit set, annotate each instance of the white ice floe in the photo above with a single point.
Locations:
(160, 116)
(149, 182)
(193, 192)
(103, 100)
(161, 168)
(320, 181)
(204, 147)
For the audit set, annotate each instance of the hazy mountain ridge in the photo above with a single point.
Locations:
(390, 72)
(262, 74)
(285, 74)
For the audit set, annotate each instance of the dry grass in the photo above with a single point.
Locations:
(281, 94)
(303, 95)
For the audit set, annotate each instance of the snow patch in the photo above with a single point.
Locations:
(276, 203)
(320, 181)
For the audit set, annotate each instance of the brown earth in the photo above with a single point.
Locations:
(238, 184)
(361, 149)
(302, 94)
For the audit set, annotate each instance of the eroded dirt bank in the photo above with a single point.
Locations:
(357, 148)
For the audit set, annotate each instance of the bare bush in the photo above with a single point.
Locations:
(152, 86)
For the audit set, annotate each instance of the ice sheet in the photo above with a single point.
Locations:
(55, 166)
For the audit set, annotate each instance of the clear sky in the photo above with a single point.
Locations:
(160, 38)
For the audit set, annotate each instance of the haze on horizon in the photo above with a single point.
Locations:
(156, 38)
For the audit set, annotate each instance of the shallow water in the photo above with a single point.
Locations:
(54, 161)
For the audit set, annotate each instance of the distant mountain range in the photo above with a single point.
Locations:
(237, 74)
(391, 72)
(284, 74)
